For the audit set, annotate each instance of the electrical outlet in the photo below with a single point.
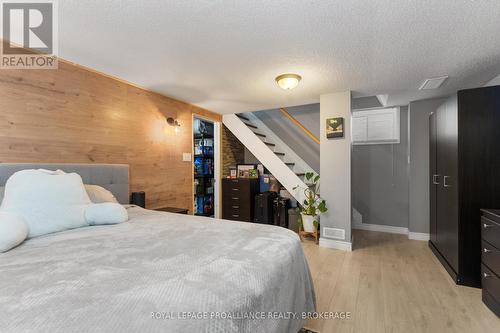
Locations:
(186, 157)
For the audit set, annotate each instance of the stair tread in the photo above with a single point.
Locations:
(290, 163)
(300, 174)
(242, 117)
(250, 125)
(278, 153)
(270, 144)
(260, 134)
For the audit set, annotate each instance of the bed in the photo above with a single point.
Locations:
(158, 272)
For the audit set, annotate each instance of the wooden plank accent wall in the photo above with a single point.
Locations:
(77, 115)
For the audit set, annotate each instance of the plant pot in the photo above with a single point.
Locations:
(308, 222)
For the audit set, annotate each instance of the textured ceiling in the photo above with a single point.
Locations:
(223, 55)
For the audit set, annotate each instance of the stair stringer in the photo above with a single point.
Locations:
(266, 156)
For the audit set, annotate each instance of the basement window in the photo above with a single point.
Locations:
(375, 126)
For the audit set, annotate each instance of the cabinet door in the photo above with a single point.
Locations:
(434, 177)
(447, 191)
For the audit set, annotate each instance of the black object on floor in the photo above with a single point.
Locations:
(263, 212)
(280, 211)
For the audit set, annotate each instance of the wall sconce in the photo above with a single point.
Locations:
(174, 122)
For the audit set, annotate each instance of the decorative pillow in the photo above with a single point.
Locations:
(105, 213)
(99, 194)
(13, 231)
(49, 201)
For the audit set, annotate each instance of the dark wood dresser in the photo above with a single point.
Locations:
(238, 197)
(490, 259)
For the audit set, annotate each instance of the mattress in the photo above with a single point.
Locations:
(159, 272)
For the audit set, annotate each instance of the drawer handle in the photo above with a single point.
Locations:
(486, 275)
(435, 179)
(235, 189)
(445, 183)
(239, 207)
(486, 225)
(236, 198)
(236, 215)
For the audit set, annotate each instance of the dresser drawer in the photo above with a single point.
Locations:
(490, 256)
(236, 211)
(490, 282)
(490, 231)
(235, 185)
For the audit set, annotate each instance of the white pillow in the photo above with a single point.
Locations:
(48, 201)
(105, 213)
(13, 231)
(99, 194)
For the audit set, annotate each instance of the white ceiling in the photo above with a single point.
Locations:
(223, 55)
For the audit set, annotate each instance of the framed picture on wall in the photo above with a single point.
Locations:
(335, 128)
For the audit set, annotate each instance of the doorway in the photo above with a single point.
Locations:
(206, 166)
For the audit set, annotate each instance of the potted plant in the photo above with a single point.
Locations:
(313, 206)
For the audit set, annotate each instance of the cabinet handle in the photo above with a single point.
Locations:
(444, 181)
(236, 206)
(235, 198)
(486, 275)
(486, 225)
(236, 216)
(485, 250)
(435, 179)
(235, 189)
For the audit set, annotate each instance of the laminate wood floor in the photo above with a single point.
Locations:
(392, 284)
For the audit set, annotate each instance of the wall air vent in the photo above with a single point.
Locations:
(334, 233)
(433, 83)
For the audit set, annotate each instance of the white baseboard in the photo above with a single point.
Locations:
(393, 230)
(418, 236)
(335, 244)
(381, 228)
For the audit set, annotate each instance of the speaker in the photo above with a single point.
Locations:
(138, 198)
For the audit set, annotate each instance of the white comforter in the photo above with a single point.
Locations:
(154, 274)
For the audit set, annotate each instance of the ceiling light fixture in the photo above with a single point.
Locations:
(288, 81)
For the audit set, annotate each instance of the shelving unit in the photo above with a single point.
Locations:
(203, 167)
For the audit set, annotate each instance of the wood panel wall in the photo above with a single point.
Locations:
(77, 115)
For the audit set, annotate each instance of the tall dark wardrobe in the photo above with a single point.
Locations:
(464, 177)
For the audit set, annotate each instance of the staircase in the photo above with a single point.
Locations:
(288, 168)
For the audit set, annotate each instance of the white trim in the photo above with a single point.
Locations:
(421, 236)
(381, 228)
(335, 244)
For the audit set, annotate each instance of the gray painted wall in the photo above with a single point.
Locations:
(419, 112)
(296, 139)
(336, 168)
(380, 180)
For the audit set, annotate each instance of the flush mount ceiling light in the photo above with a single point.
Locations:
(288, 81)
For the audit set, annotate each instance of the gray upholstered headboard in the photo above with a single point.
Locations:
(113, 177)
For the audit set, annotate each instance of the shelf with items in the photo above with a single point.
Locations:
(203, 167)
